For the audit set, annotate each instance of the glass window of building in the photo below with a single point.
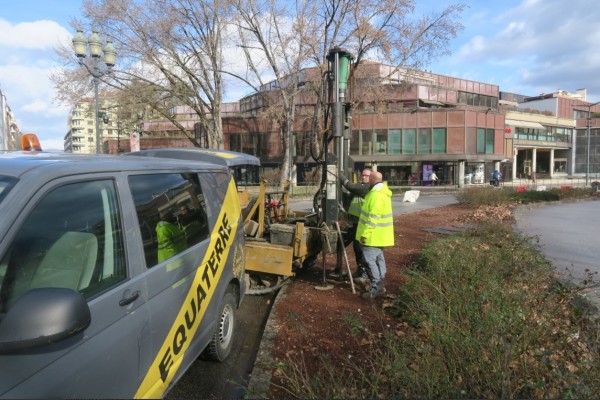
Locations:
(381, 141)
(395, 141)
(355, 142)
(366, 144)
(489, 141)
(439, 140)
(424, 144)
(485, 141)
(409, 141)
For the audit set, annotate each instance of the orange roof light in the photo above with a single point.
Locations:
(30, 142)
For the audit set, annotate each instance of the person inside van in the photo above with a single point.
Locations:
(171, 240)
(190, 223)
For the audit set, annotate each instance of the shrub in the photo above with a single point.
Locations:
(491, 323)
(485, 195)
(481, 317)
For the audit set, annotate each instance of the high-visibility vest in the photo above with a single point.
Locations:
(355, 206)
(171, 240)
(376, 221)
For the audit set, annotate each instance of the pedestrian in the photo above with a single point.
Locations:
(496, 177)
(376, 231)
(434, 178)
(358, 190)
(171, 240)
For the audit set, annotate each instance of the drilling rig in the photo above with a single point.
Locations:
(335, 158)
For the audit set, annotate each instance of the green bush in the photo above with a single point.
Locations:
(487, 195)
(493, 323)
(531, 196)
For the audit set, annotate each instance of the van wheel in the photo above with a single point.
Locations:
(222, 339)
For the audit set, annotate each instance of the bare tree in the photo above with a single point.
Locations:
(268, 36)
(170, 53)
(288, 37)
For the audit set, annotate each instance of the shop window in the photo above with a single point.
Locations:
(381, 141)
(366, 143)
(560, 166)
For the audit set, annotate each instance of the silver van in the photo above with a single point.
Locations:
(116, 273)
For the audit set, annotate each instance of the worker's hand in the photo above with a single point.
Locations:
(343, 179)
(363, 240)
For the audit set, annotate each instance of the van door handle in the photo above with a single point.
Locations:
(128, 300)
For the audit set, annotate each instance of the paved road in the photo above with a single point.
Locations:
(569, 236)
(229, 379)
(399, 206)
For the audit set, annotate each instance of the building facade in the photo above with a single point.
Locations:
(10, 134)
(422, 122)
(551, 133)
(425, 122)
(81, 134)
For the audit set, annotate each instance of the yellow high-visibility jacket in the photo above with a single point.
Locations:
(171, 240)
(376, 222)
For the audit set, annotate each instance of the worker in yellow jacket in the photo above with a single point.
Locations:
(376, 231)
(170, 238)
(358, 191)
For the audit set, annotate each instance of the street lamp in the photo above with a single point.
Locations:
(589, 135)
(94, 43)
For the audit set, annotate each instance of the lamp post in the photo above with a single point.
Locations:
(94, 43)
(589, 134)
(118, 137)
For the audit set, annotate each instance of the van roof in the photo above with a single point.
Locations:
(221, 157)
(49, 164)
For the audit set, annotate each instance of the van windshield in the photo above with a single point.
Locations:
(6, 183)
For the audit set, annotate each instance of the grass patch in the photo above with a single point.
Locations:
(481, 317)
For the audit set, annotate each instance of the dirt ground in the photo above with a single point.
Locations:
(314, 322)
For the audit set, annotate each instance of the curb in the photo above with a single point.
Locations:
(260, 378)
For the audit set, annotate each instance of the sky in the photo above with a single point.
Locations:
(527, 47)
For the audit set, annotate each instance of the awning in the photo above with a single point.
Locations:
(524, 124)
(432, 102)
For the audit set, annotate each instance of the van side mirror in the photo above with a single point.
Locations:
(43, 316)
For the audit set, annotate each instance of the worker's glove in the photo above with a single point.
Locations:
(343, 179)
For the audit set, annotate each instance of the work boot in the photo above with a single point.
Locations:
(363, 280)
(370, 295)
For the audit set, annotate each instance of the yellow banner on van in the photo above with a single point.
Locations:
(169, 358)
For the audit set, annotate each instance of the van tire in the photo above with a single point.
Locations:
(222, 339)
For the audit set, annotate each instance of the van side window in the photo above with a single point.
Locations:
(73, 239)
(171, 213)
(218, 184)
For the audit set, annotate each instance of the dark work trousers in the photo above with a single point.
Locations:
(361, 271)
